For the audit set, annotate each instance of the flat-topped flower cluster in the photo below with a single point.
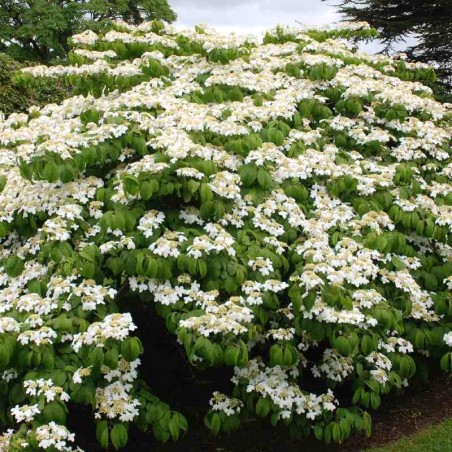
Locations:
(285, 204)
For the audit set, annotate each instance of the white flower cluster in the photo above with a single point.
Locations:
(334, 366)
(367, 298)
(281, 334)
(42, 336)
(382, 364)
(168, 244)
(226, 184)
(25, 413)
(54, 436)
(221, 402)
(217, 240)
(263, 265)
(81, 373)
(113, 326)
(9, 375)
(150, 222)
(36, 388)
(393, 344)
(91, 294)
(448, 339)
(95, 55)
(275, 383)
(220, 319)
(422, 302)
(115, 399)
(5, 439)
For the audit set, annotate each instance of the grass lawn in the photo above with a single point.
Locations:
(437, 438)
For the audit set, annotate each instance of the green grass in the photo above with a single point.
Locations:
(437, 438)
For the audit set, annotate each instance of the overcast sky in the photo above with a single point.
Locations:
(255, 16)
(252, 16)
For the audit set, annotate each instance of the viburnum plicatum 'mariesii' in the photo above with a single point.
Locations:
(285, 205)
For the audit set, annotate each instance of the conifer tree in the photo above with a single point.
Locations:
(429, 21)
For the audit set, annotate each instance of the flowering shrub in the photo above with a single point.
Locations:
(285, 205)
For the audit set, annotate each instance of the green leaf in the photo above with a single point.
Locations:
(318, 432)
(53, 411)
(66, 174)
(96, 357)
(131, 185)
(130, 349)
(264, 178)
(202, 268)
(5, 355)
(398, 264)
(173, 428)
(309, 300)
(111, 358)
(206, 192)
(193, 186)
(276, 355)
(3, 180)
(248, 174)
(431, 282)
(215, 425)
(446, 362)
(151, 267)
(115, 264)
(404, 367)
(367, 344)
(231, 355)
(289, 358)
(50, 172)
(182, 422)
(336, 433)
(102, 434)
(88, 270)
(161, 433)
(146, 190)
(262, 407)
(13, 266)
(119, 436)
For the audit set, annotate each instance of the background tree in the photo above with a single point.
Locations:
(39, 29)
(429, 21)
(17, 98)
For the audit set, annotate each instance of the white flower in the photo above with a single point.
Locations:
(448, 339)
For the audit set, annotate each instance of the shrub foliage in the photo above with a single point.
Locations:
(284, 205)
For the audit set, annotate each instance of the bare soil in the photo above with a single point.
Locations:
(404, 415)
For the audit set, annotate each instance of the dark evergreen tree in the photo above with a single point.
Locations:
(39, 29)
(429, 21)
